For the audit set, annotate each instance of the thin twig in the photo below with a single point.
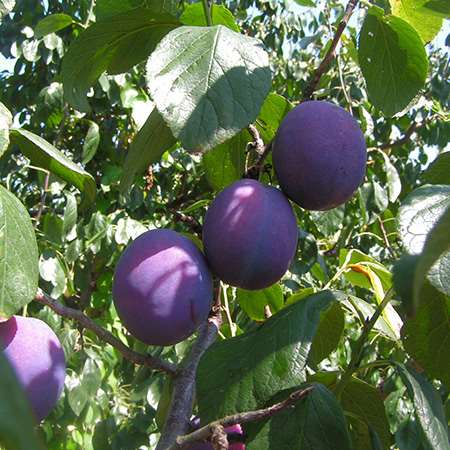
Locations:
(241, 418)
(192, 223)
(258, 143)
(180, 409)
(255, 169)
(359, 345)
(129, 354)
(207, 7)
(324, 65)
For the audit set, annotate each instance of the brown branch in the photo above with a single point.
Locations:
(258, 143)
(189, 221)
(324, 65)
(180, 410)
(205, 432)
(129, 354)
(255, 169)
(405, 138)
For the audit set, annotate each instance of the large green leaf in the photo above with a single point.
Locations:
(254, 302)
(244, 372)
(51, 24)
(314, 423)
(393, 61)
(426, 23)
(273, 111)
(208, 83)
(152, 140)
(428, 408)
(45, 155)
(18, 255)
(195, 15)
(114, 45)
(365, 401)
(440, 7)
(426, 335)
(6, 6)
(225, 163)
(5, 124)
(17, 427)
(439, 170)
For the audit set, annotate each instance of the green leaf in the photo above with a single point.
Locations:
(439, 170)
(18, 255)
(51, 24)
(427, 333)
(152, 140)
(70, 215)
(6, 6)
(5, 124)
(408, 436)
(328, 334)
(306, 3)
(364, 401)
(394, 184)
(418, 214)
(437, 244)
(440, 7)
(194, 15)
(17, 426)
(314, 423)
(91, 142)
(225, 163)
(107, 8)
(43, 154)
(244, 372)
(393, 61)
(426, 23)
(254, 302)
(52, 270)
(328, 222)
(428, 408)
(85, 388)
(439, 274)
(115, 45)
(273, 111)
(206, 106)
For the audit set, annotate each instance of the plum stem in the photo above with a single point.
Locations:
(180, 409)
(325, 64)
(129, 354)
(206, 431)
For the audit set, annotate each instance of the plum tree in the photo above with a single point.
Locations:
(36, 355)
(162, 287)
(319, 155)
(235, 430)
(250, 235)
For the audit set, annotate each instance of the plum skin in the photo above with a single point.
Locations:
(250, 235)
(319, 155)
(37, 357)
(162, 287)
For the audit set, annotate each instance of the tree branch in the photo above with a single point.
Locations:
(240, 418)
(255, 169)
(324, 65)
(180, 410)
(129, 354)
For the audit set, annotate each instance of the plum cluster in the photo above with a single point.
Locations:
(37, 357)
(162, 286)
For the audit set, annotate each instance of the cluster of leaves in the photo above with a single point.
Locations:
(130, 115)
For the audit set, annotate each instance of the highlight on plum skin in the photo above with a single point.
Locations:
(235, 430)
(250, 235)
(162, 287)
(37, 357)
(319, 155)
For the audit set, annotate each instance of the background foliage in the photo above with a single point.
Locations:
(95, 164)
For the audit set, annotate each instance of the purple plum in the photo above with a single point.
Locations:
(250, 235)
(36, 355)
(319, 155)
(162, 287)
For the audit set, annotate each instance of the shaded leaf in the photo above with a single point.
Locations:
(5, 124)
(51, 24)
(18, 255)
(43, 154)
(152, 140)
(439, 170)
(392, 59)
(206, 106)
(17, 426)
(303, 426)
(91, 142)
(244, 372)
